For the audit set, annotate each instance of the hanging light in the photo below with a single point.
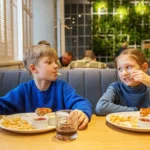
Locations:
(100, 7)
(122, 12)
(141, 9)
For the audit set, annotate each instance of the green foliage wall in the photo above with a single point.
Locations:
(114, 22)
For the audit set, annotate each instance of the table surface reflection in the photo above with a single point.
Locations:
(98, 135)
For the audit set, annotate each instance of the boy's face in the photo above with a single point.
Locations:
(125, 66)
(47, 69)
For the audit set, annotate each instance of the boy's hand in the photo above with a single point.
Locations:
(82, 119)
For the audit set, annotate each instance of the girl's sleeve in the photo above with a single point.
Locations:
(12, 102)
(74, 101)
(106, 104)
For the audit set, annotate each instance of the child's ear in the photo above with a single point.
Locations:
(33, 68)
(145, 67)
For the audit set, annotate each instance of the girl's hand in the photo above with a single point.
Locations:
(82, 118)
(140, 76)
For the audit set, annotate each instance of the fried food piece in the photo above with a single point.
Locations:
(17, 123)
(144, 112)
(43, 111)
(129, 121)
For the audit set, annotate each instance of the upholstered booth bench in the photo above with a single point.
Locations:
(90, 83)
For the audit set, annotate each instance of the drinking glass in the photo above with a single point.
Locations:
(66, 125)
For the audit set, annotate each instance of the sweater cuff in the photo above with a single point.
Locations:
(135, 108)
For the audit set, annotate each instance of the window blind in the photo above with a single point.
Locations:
(6, 30)
(27, 23)
(9, 28)
(2, 28)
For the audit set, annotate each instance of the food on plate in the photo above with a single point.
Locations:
(39, 119)
(16, 123)
(144, 112)
(144, 119)
(124, 120)
(43, 111)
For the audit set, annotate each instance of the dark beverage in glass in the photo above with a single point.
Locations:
(66, 126)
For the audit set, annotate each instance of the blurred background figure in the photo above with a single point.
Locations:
(65, 59)
(123, 47)
(44, 42)
(88, 61)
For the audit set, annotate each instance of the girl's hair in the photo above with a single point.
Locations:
(135, 54)
(32, 55)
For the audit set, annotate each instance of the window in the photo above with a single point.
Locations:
(27, 24)
(2, 25)
(80, 24)
(6, 29)
(9, 25)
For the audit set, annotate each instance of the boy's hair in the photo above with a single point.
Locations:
(33, 55)
(44, 42)
(135, 54)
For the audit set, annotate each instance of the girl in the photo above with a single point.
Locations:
(133, 92)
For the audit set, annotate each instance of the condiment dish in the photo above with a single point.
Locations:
(40, 122)
(144, 122)
(51, 118)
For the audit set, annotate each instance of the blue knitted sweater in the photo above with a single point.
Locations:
(27, 97)
(121, 98)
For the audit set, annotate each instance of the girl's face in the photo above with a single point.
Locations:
(125, 66)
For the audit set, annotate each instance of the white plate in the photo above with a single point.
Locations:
(136, 129)
(26, 116)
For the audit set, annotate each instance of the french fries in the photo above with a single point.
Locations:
(58, 73)
(124, 120)
(16, 123)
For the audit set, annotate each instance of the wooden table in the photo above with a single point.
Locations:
(99, 135)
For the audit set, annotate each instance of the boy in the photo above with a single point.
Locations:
(45, 90)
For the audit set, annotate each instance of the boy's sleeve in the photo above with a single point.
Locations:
(74, 101)
(106, 104)
(12, 102)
